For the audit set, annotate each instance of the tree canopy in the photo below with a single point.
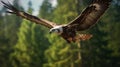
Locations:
(26, 44)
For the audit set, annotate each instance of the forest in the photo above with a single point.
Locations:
(26, 44)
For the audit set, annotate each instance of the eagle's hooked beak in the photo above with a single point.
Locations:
(50, 32)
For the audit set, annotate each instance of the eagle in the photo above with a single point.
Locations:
(88, 17)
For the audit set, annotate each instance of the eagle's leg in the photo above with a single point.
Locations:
(69, 39)
(72, 35)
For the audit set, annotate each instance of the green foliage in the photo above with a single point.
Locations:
(60, 53)
(103, 49)
(29, 50)
(26, 44)
(46, 10)
(9, 25)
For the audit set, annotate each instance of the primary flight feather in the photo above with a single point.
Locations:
(89, 16)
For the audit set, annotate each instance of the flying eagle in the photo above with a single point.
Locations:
(85, 20)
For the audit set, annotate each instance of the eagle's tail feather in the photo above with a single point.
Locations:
(83, 37)
(78, 38)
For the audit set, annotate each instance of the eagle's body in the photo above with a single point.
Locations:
(85, 20)
(69, 34)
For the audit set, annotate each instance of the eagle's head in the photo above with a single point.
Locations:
(57, 29)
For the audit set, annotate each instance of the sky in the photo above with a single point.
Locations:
(35, 4)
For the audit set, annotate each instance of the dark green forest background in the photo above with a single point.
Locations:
(26, 44)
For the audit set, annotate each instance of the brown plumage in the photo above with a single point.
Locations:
(90, 15)
(85, 20)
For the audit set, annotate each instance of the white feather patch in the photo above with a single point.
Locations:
(97, 6)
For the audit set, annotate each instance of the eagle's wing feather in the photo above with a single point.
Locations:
(90, 15)
(28, 16)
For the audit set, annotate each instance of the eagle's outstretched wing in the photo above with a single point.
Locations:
(28, 16)
(90, 15)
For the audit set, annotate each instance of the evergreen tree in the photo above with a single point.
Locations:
(114, 40)
(22, 50)
(13, 25)
(60, 53)
(32, 46)
(99, 51)
(8, 36)
(29, 50)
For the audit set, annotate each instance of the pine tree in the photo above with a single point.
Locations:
(29, 50)
(8, 37)
(114, 40)
(99, 50)
(60, 53)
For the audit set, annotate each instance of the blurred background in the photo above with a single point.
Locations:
(26, 44)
